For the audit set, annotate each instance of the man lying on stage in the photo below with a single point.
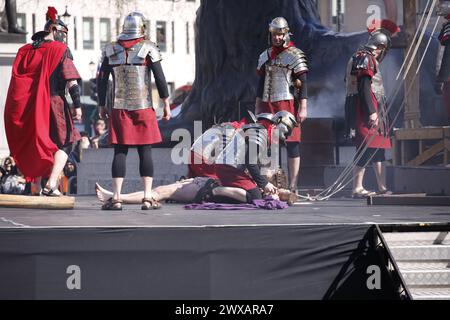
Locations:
(221, 171)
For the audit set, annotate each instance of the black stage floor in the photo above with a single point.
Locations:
(87, 213)
(318, 250)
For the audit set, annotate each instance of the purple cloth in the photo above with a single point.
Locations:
(265, 204)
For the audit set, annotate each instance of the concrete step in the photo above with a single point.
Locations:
(420, 253)
(417, 238)
(430, 293)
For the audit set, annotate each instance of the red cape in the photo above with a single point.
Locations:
(27, 109)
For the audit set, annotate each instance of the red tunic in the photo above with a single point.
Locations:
(234, 178)
(62, 130)
(199, 168)
(138, 127)
(372, 136)
(27, 108)
(286, 105)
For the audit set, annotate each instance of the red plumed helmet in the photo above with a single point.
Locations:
(385, 25)
(51, 14)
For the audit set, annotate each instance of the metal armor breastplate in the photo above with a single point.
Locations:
(235, 151)
(377, 85)
(132, 87)
(132, 90)
(278, 79)
(278, 82)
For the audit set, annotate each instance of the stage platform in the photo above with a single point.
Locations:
(313, 250)
(87, 213)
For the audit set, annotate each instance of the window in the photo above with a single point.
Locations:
(338, 11)
(173, 37)
(105, 31)
(187, 38)
(22, 21)
(33, 23)
(88, 33)
(75, 36)
(161, 35)
(118, 26)
(147, 28)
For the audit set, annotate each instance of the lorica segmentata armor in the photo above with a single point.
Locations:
(364, 61)
(131, 90)
(278, 84)
(132, 85)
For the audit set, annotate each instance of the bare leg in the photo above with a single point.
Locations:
(148, 182)
(117, 188)
(293, 169)
(233, 193)
(60, 160)
(129, 198)
(378, 169)
(181, 191)
(358, 174)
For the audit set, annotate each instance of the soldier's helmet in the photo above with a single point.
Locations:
(381, 33)
(285, 122)
(280, 25)
(133, 26)
(53, 24)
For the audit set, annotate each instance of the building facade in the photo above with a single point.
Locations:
(354, 15)
(93, 23)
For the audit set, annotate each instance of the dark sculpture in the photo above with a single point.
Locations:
(230, 35)
(11, 16)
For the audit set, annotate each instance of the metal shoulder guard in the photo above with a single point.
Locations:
(112, 49)
(263, 58)
(444, 36)
(151, 49)
(213, 141)
(363, 61)
(295, 59)
(257, 135)
(115, 53)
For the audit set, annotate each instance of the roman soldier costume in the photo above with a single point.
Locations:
(279, 69)
(365, 90)
(131, 61)
(38, 121)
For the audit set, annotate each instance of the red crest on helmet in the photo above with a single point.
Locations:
(51, 14)
(385, 24)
